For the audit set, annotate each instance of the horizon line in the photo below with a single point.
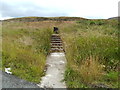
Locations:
(89, 17)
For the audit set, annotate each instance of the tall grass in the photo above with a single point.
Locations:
(96, 38)
(25, 47)
(91, 70)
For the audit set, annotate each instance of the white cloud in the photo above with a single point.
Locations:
(3, 18)
(79, 8)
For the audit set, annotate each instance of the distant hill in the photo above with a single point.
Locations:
(34, 19)
(114, 18)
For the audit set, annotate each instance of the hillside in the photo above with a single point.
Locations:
(116, 18)
(35, 19)
(91, 49)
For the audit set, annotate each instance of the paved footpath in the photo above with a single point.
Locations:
(56, 63)
(55, 71)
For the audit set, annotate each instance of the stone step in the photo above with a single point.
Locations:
(56, 41)
(55, 34)
(55, 37)
(56, 44)
(57, 50)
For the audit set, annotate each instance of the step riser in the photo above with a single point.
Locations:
(57, 46)
(56, 42)
(55, 36)
(55, 39)
(56, 49)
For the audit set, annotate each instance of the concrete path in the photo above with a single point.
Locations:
(55, 71)
(56, 63)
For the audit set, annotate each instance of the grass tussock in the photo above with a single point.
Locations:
(91, 70)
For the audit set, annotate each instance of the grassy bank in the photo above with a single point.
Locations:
(25, 47)
(92, 52)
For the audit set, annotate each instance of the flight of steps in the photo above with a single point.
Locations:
(56, 43)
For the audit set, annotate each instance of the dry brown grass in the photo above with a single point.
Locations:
(91, 70)
(26, 40)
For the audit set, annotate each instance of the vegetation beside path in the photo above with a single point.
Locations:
(25, 47)
(91, 50)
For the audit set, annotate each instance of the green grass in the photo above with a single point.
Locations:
(90, 38)
(25, 47)
(91, 50)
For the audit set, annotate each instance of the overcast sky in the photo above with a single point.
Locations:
(101, 9)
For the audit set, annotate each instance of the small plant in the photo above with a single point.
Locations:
(112, 76)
